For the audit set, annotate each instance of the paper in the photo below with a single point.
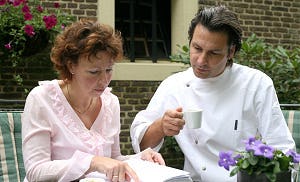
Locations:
(147, 172)
(152, 172)
(92, 180)
(94, 177)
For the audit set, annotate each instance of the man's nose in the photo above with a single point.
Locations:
(202, 58)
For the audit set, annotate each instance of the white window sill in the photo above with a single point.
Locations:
(146, 70)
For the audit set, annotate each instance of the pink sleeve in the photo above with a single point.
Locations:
(77, 169)
(116, 119)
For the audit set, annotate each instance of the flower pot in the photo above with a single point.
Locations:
(243, 176)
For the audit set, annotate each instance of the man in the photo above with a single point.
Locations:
(237, 102)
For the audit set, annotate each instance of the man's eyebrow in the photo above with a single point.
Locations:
(195, 44)
(216, 50)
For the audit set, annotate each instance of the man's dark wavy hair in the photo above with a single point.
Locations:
(219, 19)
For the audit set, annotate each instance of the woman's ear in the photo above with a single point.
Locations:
(70, 66)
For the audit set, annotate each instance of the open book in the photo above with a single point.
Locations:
(148, 172)
(152, 172)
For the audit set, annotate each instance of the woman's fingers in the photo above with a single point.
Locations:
(115, 178)
(122, 174)
(159, 159)
(150, 155)
(130, 172)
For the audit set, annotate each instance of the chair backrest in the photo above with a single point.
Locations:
(292, 118)
(11, 167)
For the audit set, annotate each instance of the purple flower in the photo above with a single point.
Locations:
(237, 157)
(17, 2)
(40, 8)
(56, 5)
(264, 150)
(2, 2)
(258, 158)
(50, 21)
(28, 16)
(252, 143)
(63, 26)
(295, 156)
(8, 46)
(29, 30)
(226, 160)
(25, 9)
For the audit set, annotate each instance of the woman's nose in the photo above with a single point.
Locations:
(103, 77)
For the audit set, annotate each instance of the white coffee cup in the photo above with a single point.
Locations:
(193, 118)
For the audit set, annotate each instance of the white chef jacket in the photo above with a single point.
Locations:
(239, 93)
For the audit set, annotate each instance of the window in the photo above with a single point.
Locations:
(145, 27)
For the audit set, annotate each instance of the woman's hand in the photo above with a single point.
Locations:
(116, 171)
(150, 155)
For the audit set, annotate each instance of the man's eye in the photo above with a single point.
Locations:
(198, 48)
(215, 53)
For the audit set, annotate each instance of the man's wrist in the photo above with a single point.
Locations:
(159, 128)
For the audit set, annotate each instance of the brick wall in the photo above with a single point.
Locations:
(276, 21)
(31, 69)
(78, 8)
(133, 96)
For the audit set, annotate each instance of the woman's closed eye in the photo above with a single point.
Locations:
(94, 72)
(109, 70)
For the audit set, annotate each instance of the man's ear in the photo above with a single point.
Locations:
(231, 51)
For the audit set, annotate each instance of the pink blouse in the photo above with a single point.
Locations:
(56, 144)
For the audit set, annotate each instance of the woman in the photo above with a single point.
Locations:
(71, 126)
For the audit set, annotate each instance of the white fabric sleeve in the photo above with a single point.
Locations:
(161, 101)
(139, 127)
(272, 125)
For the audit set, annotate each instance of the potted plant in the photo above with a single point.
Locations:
(26, 27)
(260, 162)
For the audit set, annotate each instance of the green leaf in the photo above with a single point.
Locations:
(245, 164)
(271, 176)
(276, 168)
(253, 160)
(234, 171)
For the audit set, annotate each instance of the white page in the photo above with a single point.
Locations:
(147, 172)
(152, 172)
